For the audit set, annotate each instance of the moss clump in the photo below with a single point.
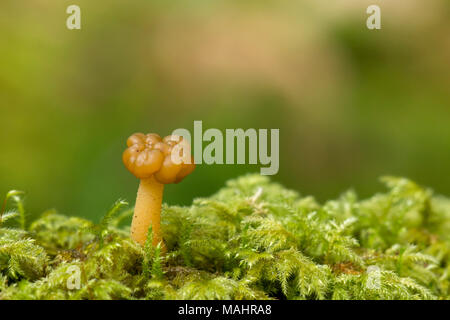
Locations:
(252, 240)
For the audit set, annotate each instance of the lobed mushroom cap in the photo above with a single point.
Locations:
(149, 154)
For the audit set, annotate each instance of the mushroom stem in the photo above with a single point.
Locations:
(147, 211)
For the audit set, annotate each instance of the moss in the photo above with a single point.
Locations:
(253, 239)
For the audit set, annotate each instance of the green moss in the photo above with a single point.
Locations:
(251, 240)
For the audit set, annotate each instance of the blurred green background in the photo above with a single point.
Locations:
(352, 104)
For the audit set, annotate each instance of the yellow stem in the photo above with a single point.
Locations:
(147, 211)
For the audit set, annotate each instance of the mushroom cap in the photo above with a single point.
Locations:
(149, 154)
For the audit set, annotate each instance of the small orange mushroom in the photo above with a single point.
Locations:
(151, 159)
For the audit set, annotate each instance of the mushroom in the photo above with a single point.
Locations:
(151, 159)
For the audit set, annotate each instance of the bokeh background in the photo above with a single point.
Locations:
(351, 104)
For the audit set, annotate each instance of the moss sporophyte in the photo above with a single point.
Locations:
(253, 239)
